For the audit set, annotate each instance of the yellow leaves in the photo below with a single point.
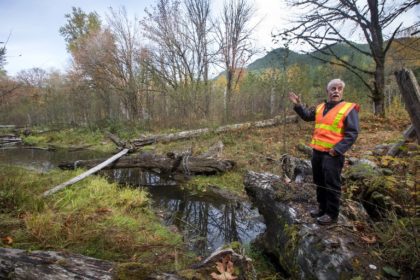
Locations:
(225, 269)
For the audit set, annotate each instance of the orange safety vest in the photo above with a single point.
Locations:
(329, 129)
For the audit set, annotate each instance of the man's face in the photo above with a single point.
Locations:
(335, 92)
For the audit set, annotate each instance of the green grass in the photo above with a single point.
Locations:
(71, 137)
(33, 140)
(92, 217)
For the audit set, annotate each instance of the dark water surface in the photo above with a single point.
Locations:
(206, 221)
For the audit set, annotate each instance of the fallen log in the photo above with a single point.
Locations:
(94, 169)
(185, 164)
(20, 264)
(164, 138)
(9, 139)
(302, 248)
(7, 126)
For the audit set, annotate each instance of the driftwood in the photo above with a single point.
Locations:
(148, 140)
(20, 264)
(411, 95)
(94, 169)
(185, 164)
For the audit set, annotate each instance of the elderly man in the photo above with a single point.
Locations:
(336, 129)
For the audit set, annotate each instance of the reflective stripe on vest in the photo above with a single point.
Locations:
(329, 129)
(322, 143)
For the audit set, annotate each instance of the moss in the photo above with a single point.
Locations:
(232, 181)
(133, 271)
(33, 140)
(191, 274)
(288, 258)
(361, 171)
(236, 246)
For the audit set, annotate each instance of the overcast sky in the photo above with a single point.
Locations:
(35, 40)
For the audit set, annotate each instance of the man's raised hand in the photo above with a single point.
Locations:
(294, 98)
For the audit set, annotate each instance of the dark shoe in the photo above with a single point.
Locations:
(316, 213)
(326, 220)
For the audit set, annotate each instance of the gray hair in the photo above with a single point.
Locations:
(335, 81)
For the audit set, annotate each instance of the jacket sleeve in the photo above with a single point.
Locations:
(306, 114)
(351, 132)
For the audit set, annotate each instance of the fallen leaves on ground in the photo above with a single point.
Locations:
(369, 239)
(7, 240)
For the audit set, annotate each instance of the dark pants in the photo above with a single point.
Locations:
(327, 176)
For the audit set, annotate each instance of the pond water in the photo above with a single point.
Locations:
(205, 221)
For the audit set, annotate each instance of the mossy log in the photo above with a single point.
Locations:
(20, 264)
(185, 164)
(304, 249)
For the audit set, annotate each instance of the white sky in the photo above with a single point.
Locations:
(36, 42)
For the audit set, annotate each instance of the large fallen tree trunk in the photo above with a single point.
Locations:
(302, 248)
(148, 140)
(20, 264)
(50, 265)
(185, 164)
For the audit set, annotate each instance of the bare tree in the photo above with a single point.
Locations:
(199, 16)
(233, 35)
(35, 77)
(8, 86)
(329, 22)
(179, 56)
(127, 59)
(171, 57)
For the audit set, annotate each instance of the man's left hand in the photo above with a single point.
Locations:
(332, 153)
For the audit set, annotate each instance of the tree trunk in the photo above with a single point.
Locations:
(93, 170)
(183, 164)
(19, 264)
(228, 95)
(379, 93)
(411, 95)
(182, 135)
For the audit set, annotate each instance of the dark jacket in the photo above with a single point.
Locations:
(351, 124)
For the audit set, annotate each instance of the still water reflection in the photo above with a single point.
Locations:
(44, 160)
(206, 221)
